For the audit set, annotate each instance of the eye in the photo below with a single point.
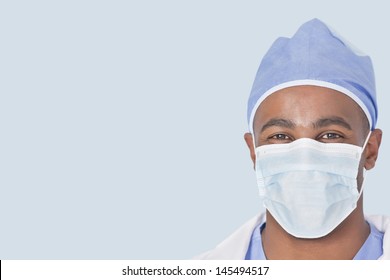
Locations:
(331, 136)
(279, 138)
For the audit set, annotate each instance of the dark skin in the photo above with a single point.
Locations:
(327, 116)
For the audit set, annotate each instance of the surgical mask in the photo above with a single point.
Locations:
(309, 187)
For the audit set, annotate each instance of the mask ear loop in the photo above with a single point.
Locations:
(366, 141)
(364, 169)
(261, 193)
(254, 144)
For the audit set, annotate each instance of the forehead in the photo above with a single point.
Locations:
(306, 104)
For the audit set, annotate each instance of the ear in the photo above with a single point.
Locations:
(372, 149)
(249, 142)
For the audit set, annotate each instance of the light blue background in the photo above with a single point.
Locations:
(122, 122)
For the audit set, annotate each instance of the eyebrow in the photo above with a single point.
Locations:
(278, 122)
(320, 123)
(333, 120)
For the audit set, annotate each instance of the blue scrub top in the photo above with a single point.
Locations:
(372, 248)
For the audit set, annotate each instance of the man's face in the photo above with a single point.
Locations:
(318, 113)
(314, 112)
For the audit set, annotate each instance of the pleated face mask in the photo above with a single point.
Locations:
(309, 187)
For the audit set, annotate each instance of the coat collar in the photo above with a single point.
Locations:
(236, 245)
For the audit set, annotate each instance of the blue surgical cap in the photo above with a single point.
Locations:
(316, 56)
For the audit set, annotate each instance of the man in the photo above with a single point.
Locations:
(312, 113)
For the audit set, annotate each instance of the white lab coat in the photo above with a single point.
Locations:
(236, 245)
